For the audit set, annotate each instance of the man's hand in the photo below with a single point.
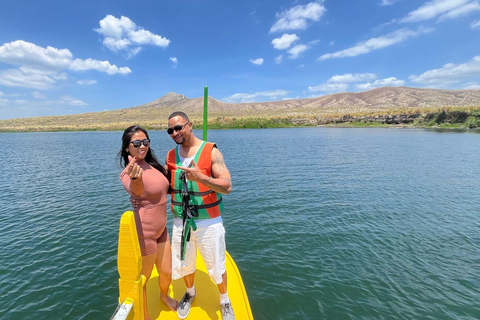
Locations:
(193, 173)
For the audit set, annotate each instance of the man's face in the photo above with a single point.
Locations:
(180, 129)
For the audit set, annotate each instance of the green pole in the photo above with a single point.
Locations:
(205, 107)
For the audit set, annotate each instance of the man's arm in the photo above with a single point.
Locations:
(220, 182)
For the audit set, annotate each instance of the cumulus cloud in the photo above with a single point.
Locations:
(298, 17)
(285, 41)
(41, 68)
(26, 54)
(372, 44)
(295, 52)
(258, 61)
(387, 82)
(279, 59)
(253, 97)
(124, 35)
(444, 9)
(450, 73)
(102, 66)
(87, 82)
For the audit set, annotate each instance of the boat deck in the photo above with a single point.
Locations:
(207, 301)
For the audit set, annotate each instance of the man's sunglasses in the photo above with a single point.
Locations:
(138, 143)
(177, 128)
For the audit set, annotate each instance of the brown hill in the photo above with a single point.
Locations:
(154, 114)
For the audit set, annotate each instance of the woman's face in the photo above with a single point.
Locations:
(141, 151)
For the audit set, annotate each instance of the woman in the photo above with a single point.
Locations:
(145, 180)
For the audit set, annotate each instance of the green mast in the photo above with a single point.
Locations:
(205, 107)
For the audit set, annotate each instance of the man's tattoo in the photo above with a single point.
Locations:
(220, 163)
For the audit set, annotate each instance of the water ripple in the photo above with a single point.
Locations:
(341, 223)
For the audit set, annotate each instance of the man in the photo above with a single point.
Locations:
(201, 165)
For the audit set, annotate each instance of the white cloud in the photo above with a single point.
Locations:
(376, 43)
(387, 82)
(475, 24)
(450, 73)
(22, 53)
(388, 2)
(174, 60)
(447, 9)
(285, 41)
(253, 97)
(258, 61)
(71, 101)
(340, 83)
(24, 78)
(87, 82)
(349, 77)
(102, 66)
(279, 59)
(298, 17)
(472, 86)
(41, 68)
(38, 95)
(460, 11)
(330, 87)
(297, 50)
(124, 35)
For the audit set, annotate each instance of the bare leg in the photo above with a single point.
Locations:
(222, 287)
(189, 280)
(164, 268)
(147, 266)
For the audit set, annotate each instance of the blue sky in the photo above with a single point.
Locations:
(69, 57)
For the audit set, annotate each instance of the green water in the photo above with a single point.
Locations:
(323, 223)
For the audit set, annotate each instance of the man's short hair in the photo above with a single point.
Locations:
(179, 113)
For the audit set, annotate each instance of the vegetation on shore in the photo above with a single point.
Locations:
(447, 117)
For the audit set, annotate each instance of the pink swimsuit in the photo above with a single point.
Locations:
(150, 208)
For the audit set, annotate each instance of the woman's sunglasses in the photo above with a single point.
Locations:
(177, 128)
(138, 143)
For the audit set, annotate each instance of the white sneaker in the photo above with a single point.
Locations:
(227, 311)
(185, 304)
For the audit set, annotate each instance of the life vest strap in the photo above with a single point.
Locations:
(193, 193)
(201, 206)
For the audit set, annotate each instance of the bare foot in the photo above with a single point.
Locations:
(170, 302)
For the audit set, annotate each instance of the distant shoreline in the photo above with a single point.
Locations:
(467, 118)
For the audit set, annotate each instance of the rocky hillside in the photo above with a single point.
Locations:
(397, 100)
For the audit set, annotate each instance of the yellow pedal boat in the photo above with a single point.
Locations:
(206, 304)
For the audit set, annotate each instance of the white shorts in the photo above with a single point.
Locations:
(208, 239)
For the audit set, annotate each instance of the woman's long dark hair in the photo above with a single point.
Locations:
(150, 157)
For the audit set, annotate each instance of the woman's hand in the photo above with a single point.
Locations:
(133, 170)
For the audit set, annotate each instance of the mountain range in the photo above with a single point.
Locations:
(154, 114)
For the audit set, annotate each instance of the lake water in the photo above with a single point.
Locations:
(323, 223)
